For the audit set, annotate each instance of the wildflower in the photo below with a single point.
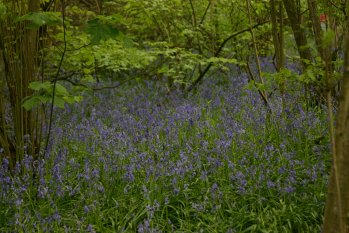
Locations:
(42, 191)
(56, 217)
(166, 201)
(270, 184)
(90, 229)
(95, 173)
(18, 202)
(282, 170)
(144, 227)
(86, 209)
(5, 163)
(176, 191)
(17, 219)
(289, 189)
(203, 175)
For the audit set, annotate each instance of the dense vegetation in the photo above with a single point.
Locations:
(174, 116)
(155, 163)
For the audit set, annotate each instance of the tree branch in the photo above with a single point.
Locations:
(56, 78)
(219, 50)
(206, 10)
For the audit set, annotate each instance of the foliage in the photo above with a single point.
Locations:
(2, 9)
(99, 46)
(172, 164)
(146, 157)
(43, 94)
(99, 29)
(39, 19)
(196, 27)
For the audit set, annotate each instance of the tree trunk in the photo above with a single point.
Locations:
(277, 33)
(20, 50)
(276, 14)
(337, 204)
(312, 5)
(294, 16)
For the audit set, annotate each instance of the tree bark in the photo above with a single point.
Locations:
(294, 16)
(277, 33)
(20, 50)
(337, 204)
(312, 5)
(276, 14)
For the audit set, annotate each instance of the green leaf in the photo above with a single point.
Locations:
(86, 71)
(38, 19)
(88, 79)
(251, 85)
(89, 60)
(61, 90)
(164, 69)
(3, 10)
(31, 102)
(328, 37)
(78, 98)
(44, 98)
(72, 99)
(59, 102)
(37, 85)
(100, 30)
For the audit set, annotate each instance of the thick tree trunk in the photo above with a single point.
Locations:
(337, 205)
(19, 46)
(294, 16)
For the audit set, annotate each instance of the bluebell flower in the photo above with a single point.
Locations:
(270, 184)
(289, 189)
(5, 163)
(90, 229)
(86, 209)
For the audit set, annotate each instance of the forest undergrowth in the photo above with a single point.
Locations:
(134, 159)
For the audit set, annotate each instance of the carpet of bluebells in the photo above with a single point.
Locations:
(134, 159)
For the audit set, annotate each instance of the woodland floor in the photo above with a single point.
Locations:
(134, 159)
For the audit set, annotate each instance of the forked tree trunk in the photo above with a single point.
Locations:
(294, 16)
(337, 205)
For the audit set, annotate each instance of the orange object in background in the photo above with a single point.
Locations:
(323, 18)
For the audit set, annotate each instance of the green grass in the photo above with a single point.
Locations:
(225, 170)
